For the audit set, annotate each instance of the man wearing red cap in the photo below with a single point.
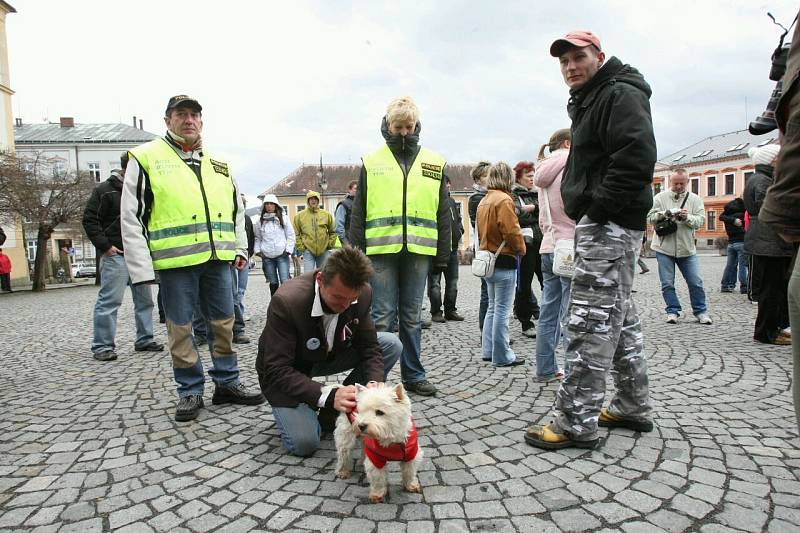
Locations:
(606, 190)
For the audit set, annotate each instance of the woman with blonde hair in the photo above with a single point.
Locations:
(555, 225)
(499, 230)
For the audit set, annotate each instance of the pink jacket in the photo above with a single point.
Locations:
(548, 178)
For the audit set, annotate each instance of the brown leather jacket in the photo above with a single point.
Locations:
(293, 340)
(781, 208)
(497, 221)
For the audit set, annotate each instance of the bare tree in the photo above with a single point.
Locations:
(43, 193)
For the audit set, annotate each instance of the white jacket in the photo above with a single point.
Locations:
(271, 240)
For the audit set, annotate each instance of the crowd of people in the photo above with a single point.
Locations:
(173, 216)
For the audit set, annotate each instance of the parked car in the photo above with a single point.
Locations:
(81, 270)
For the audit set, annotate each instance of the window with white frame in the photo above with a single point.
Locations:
(695, 185)
(31, 249)
(94, 171)
(711, 220)
(59, 168)
(730, 183)
(711, 186)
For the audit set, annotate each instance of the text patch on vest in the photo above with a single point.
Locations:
(431, 171)
(220, 167)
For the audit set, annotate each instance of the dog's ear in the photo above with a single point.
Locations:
(399, 391)
(360, 387)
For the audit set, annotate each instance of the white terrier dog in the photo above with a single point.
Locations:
(383, 420)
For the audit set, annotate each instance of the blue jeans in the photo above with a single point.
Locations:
(199, 322)
(298, 426)
(450, 286)
(555, 301)
(500, 287)
(276, 269)
(242, 277)
(737, 260)
(208, 287)
(311, 261)
(398, 286)
(113, 280)
(690, 268)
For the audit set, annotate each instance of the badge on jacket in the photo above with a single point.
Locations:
(313, 343)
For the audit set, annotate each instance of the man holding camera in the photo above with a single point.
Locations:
(675, 246)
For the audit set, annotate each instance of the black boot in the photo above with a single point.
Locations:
(273, 287)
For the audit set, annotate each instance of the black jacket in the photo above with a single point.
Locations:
(734, 210)
(610, 167)
(456, 225)
(405, 150)
(523, 196)
(101, 215)
(761, 239)
(251, 236)
(472, 206)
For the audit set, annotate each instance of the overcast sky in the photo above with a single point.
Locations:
(282, 82)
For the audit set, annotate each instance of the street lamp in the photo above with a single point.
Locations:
(321, 181)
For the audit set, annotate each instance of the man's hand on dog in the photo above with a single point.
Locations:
(344, 399)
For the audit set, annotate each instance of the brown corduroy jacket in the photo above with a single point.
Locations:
(498, 222)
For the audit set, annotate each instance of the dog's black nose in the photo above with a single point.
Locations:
(362, 427)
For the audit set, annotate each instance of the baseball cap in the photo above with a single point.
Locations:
(579, 39)
(183, 100)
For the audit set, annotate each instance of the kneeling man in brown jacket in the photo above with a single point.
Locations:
(317, 325)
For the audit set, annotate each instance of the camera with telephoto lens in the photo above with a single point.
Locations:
(765, 122)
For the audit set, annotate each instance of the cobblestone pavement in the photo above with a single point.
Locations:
(88, 446)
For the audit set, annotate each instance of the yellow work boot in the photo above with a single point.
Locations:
(545, 437)
(607, 420)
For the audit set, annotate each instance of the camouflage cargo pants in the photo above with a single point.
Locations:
(603, 329)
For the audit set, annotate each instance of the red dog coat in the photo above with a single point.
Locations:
(397, 451)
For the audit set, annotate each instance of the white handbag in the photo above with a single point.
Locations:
(484, 260)
(563, 249)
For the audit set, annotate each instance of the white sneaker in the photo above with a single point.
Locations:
(672, 318)
(703, 318)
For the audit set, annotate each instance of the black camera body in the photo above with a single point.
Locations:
(766, 123)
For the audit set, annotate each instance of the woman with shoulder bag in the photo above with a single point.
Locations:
(274, 242)
(556, 225)
(499, 231)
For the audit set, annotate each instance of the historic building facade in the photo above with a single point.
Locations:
(69, 146)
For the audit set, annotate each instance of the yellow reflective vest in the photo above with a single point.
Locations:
(191, 220)
(402, 209)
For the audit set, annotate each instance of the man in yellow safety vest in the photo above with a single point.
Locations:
(182, 216)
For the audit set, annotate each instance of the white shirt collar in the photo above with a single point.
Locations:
(316, 309)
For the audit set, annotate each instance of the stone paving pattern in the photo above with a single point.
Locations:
(88, 446)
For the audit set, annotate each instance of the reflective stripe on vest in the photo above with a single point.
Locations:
(387, 225)
(179, 233)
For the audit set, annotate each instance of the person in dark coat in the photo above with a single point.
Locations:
(319, 324)
(479, 175)
(102, 225)
(771, 256)
(781, 208)
(733, 217)
(606, 189)
(450, 273)
(526, 204)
